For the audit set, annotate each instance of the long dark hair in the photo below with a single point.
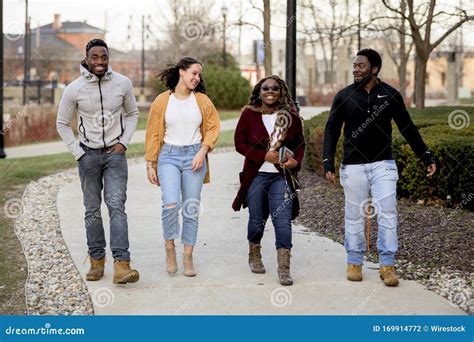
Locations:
(170, 75)
(285, 101)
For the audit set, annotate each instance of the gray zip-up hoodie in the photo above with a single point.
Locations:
(106, 110)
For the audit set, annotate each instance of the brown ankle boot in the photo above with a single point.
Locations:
(354, 272)
(97, 269)
(255, 258)
(283, 258)
(171, 263)
(123, 273)
(189, 270)
(387, 274)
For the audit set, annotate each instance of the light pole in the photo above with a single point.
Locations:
(291, 49)
(359, 42)
(2, 152)
(224, 54)
(26, 67)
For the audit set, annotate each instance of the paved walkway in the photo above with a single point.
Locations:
(55, 147)
(224, 284)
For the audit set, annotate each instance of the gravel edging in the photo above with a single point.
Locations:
(54, 285)
(435, 248)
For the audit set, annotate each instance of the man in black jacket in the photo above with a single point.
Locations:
(366, 109)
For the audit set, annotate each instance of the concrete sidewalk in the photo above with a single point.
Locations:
(224, 284)
(55, 147)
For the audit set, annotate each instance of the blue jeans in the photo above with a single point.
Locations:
(380, 179)
(108, 171)
(265, 196)
(180, 188)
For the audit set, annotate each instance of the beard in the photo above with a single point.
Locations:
(363, 81)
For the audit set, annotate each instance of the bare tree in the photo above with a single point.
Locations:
(265, 31)
(421, 18)
(397, 42)
(190, 28)
(326, 30)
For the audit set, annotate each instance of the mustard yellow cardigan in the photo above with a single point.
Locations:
(155, 128)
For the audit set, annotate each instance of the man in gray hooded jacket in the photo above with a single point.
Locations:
(107, 115)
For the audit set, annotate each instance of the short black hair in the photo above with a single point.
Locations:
(96, 42)
(373, 56)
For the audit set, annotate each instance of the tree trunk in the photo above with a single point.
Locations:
(402, 75)
(267, 44)
(420, 81)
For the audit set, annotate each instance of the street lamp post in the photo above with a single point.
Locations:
(291, 49)
(224, 54)
(26, 67)
(2, 152)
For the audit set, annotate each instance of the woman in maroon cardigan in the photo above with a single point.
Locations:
(267, 124)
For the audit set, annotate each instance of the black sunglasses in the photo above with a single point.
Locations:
(274, 88)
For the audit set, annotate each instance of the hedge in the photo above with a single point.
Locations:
(451, 149)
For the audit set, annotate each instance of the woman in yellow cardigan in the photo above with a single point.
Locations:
(183, 126)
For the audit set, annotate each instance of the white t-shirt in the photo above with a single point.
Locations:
(183, 121)
(269, 122)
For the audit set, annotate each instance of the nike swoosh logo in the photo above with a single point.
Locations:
(380, 96)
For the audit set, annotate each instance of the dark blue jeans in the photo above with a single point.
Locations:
(266, 196)
(108, 171)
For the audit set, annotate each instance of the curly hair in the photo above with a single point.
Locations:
(170, 75)
(285, 101)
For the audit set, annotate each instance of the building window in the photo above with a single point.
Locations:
(443, 78)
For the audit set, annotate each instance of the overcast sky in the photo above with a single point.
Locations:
(115, 15)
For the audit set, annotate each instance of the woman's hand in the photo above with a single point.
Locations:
(291, 163)
(152, 176)
(272, 157)
(199, 158)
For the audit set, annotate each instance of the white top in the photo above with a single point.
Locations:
(182, 121)
(269, 122)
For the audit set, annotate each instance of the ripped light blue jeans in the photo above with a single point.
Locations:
(379, 179)
(181, 189)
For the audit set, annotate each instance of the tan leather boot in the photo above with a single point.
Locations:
(97, 269)
(387, 274)
(354, 272)
(171, 263)
(255, 258)
(283, 258)
(189, 270)
(123, 273)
